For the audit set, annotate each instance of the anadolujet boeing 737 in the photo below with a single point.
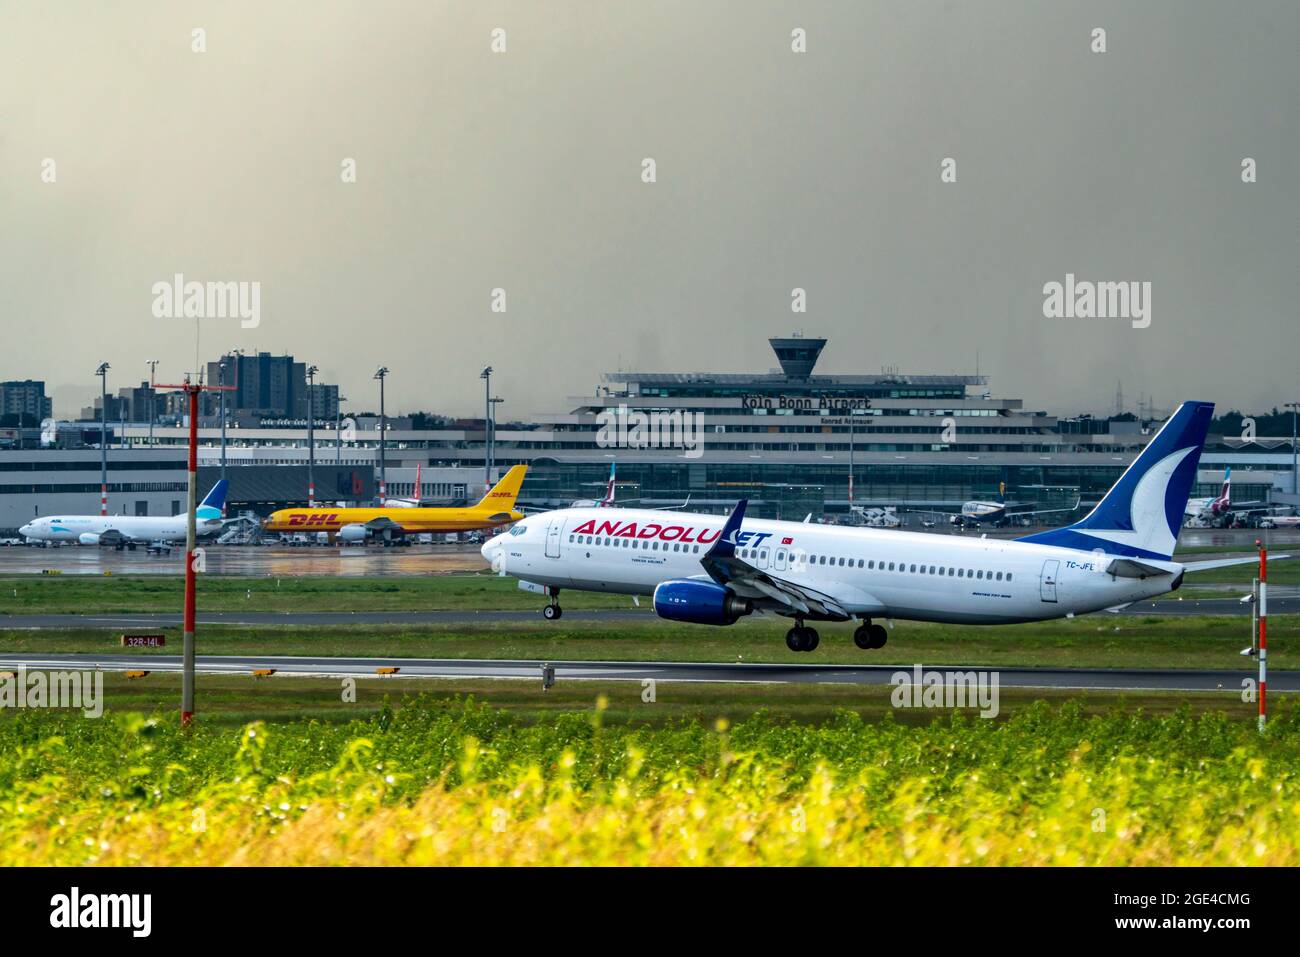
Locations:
(706, 570)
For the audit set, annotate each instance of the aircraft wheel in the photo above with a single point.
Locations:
(794, 639)
(811, 639)
(552, 612)
(862, 637)
(878, 636)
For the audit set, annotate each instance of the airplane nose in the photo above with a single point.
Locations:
(26, 530)
(492, 549)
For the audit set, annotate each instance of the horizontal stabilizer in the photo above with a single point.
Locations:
(1229, 562)
(1132, 568)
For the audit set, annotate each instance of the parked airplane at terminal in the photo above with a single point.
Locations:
(997, 513)
(1221, 509)
(497, 507)
(706, 570)
(607, 501)
(412, 502)
(128, 531)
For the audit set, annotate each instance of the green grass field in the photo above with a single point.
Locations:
(233, 700)
(79, 594)
(82, 594)
(1100, 641)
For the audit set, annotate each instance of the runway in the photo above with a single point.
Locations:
(1170, 607)
(1082, 679)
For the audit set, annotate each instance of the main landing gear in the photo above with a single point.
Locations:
(801, 638)
(868, 636)
(553, 611)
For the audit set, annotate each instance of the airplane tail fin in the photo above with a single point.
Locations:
(609, 490)
(216, 497)
(1141, 515)
(502, 495)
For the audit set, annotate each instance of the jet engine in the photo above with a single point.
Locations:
(351, 534)
(88, 538)
(699, 602)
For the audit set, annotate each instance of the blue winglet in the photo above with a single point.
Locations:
(725, 546)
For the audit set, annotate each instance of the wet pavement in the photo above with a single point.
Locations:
(249, 560)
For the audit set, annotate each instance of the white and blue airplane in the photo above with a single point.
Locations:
(707, 570)
(129, 530)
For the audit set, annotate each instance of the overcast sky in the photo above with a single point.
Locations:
(775, 170)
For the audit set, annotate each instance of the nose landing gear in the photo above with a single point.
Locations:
(553, 611)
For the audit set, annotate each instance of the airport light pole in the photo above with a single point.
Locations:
(192, 559)
(221, 410)
(102, 372)
(153, 398)
(311, 437)
(486, 376)
(338, 433)
(492, 447)
(383, 427)
(1295, 477)
(851, 427)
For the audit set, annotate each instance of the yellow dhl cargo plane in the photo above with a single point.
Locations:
(497, 507)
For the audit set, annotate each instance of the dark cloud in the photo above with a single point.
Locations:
(775, 170)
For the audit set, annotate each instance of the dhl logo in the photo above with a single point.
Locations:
(314, 519)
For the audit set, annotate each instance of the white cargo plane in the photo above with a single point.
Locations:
(129, 530)
(707, 570)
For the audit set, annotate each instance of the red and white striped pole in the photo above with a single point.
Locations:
(103, 500)
(311, 494)
(191, 536)
(1263, 632)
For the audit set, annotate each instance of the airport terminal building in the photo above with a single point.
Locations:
(790, 440)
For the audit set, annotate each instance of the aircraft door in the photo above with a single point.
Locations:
(553, 537)
(781, 559)
(1047, 584)
(763, 556)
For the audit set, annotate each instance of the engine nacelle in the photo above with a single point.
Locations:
(88, 538)
(350, 534)
(699, 602)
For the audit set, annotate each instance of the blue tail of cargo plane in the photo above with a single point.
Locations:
(1141, 515)
(214, 501)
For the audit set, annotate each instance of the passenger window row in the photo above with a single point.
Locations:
(840, 561)
(645, 544)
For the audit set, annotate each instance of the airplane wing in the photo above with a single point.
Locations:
(725, 568)
(1043, 511)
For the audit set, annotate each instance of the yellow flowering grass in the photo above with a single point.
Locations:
(468, 787)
